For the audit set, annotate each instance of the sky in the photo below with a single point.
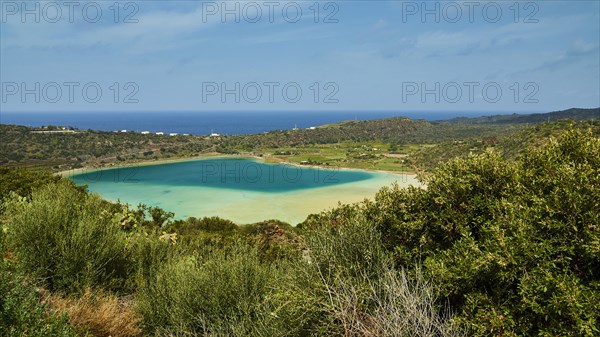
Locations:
(528, 56)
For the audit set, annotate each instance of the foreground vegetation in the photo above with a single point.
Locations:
(496, 244)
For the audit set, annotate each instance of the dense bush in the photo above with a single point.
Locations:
(275, 239)
(22, 182)
(68, 238)
(21, 313)
(218, 294)
(346, 285)
(509, 145)
(194, 225)
(514, 246)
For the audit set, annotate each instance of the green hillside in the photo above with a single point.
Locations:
(573, 114)
(340, 144)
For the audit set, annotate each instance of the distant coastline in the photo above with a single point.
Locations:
(67, 173)
(204, 123)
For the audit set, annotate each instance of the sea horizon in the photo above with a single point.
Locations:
(221, 122)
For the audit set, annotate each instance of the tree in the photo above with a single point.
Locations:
(160, 217)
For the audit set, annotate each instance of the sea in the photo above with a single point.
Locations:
(204, 123)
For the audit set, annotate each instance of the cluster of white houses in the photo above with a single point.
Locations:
(212, 134)
(160, 133)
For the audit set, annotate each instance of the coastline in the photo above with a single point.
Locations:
(246, 206)
(141, 163)
(212, 155)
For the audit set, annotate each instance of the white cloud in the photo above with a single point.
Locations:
(156, 30)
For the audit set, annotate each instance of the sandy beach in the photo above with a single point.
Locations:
(214, 155)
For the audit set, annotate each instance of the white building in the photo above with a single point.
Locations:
(172, 134)
(145, 132)
(160, 133)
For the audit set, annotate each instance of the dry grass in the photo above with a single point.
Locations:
(97, 313)
(402, 307)
(367, 296)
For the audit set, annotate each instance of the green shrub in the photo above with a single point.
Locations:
(265, 227)
(68, 238)
(147, 254)
(345, 285)
(202, 233)
(514, 246)
(23, 181)
(352, 250)
(218, 294)
(21, 312)
(194, 225)
(275, 239)
(365, 295)
(20, 181)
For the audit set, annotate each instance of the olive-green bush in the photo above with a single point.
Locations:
(21, 313)
(344, 285)
(514, 246)
(68, 238)
(218, 294)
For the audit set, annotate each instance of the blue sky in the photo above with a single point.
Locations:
(358, 55)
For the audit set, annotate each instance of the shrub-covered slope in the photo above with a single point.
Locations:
(514, 246)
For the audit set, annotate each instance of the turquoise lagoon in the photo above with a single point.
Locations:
(242, 190)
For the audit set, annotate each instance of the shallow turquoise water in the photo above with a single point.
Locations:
(243, 190)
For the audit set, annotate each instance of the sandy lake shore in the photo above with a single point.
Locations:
(214, 155)
(244, 206)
